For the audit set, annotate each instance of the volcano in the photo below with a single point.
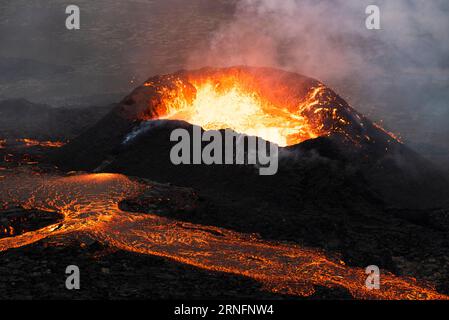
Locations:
(300, 114)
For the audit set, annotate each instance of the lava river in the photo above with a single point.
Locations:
(90, 204)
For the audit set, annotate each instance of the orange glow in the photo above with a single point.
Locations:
(216, 108)
(47, 144)
(249, 106)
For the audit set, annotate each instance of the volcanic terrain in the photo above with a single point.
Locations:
(348, 194)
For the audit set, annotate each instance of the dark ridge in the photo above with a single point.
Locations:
(20, 118)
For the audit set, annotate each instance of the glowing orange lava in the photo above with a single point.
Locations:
(216, 108)
(89, 203)
(392, 135)
(249, 105)
(47, 144)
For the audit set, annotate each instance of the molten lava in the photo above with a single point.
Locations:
(46, 144)
(216, 107)
(277, 110)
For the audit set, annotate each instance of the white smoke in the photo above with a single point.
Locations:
(327, 39)
(141, 129)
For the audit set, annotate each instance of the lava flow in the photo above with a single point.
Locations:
(46, 144)
(90, 205)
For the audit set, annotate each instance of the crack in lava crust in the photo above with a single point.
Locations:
(89, 203)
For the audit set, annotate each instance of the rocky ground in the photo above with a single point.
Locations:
(336, 214)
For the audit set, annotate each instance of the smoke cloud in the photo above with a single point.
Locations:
(328, 39)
